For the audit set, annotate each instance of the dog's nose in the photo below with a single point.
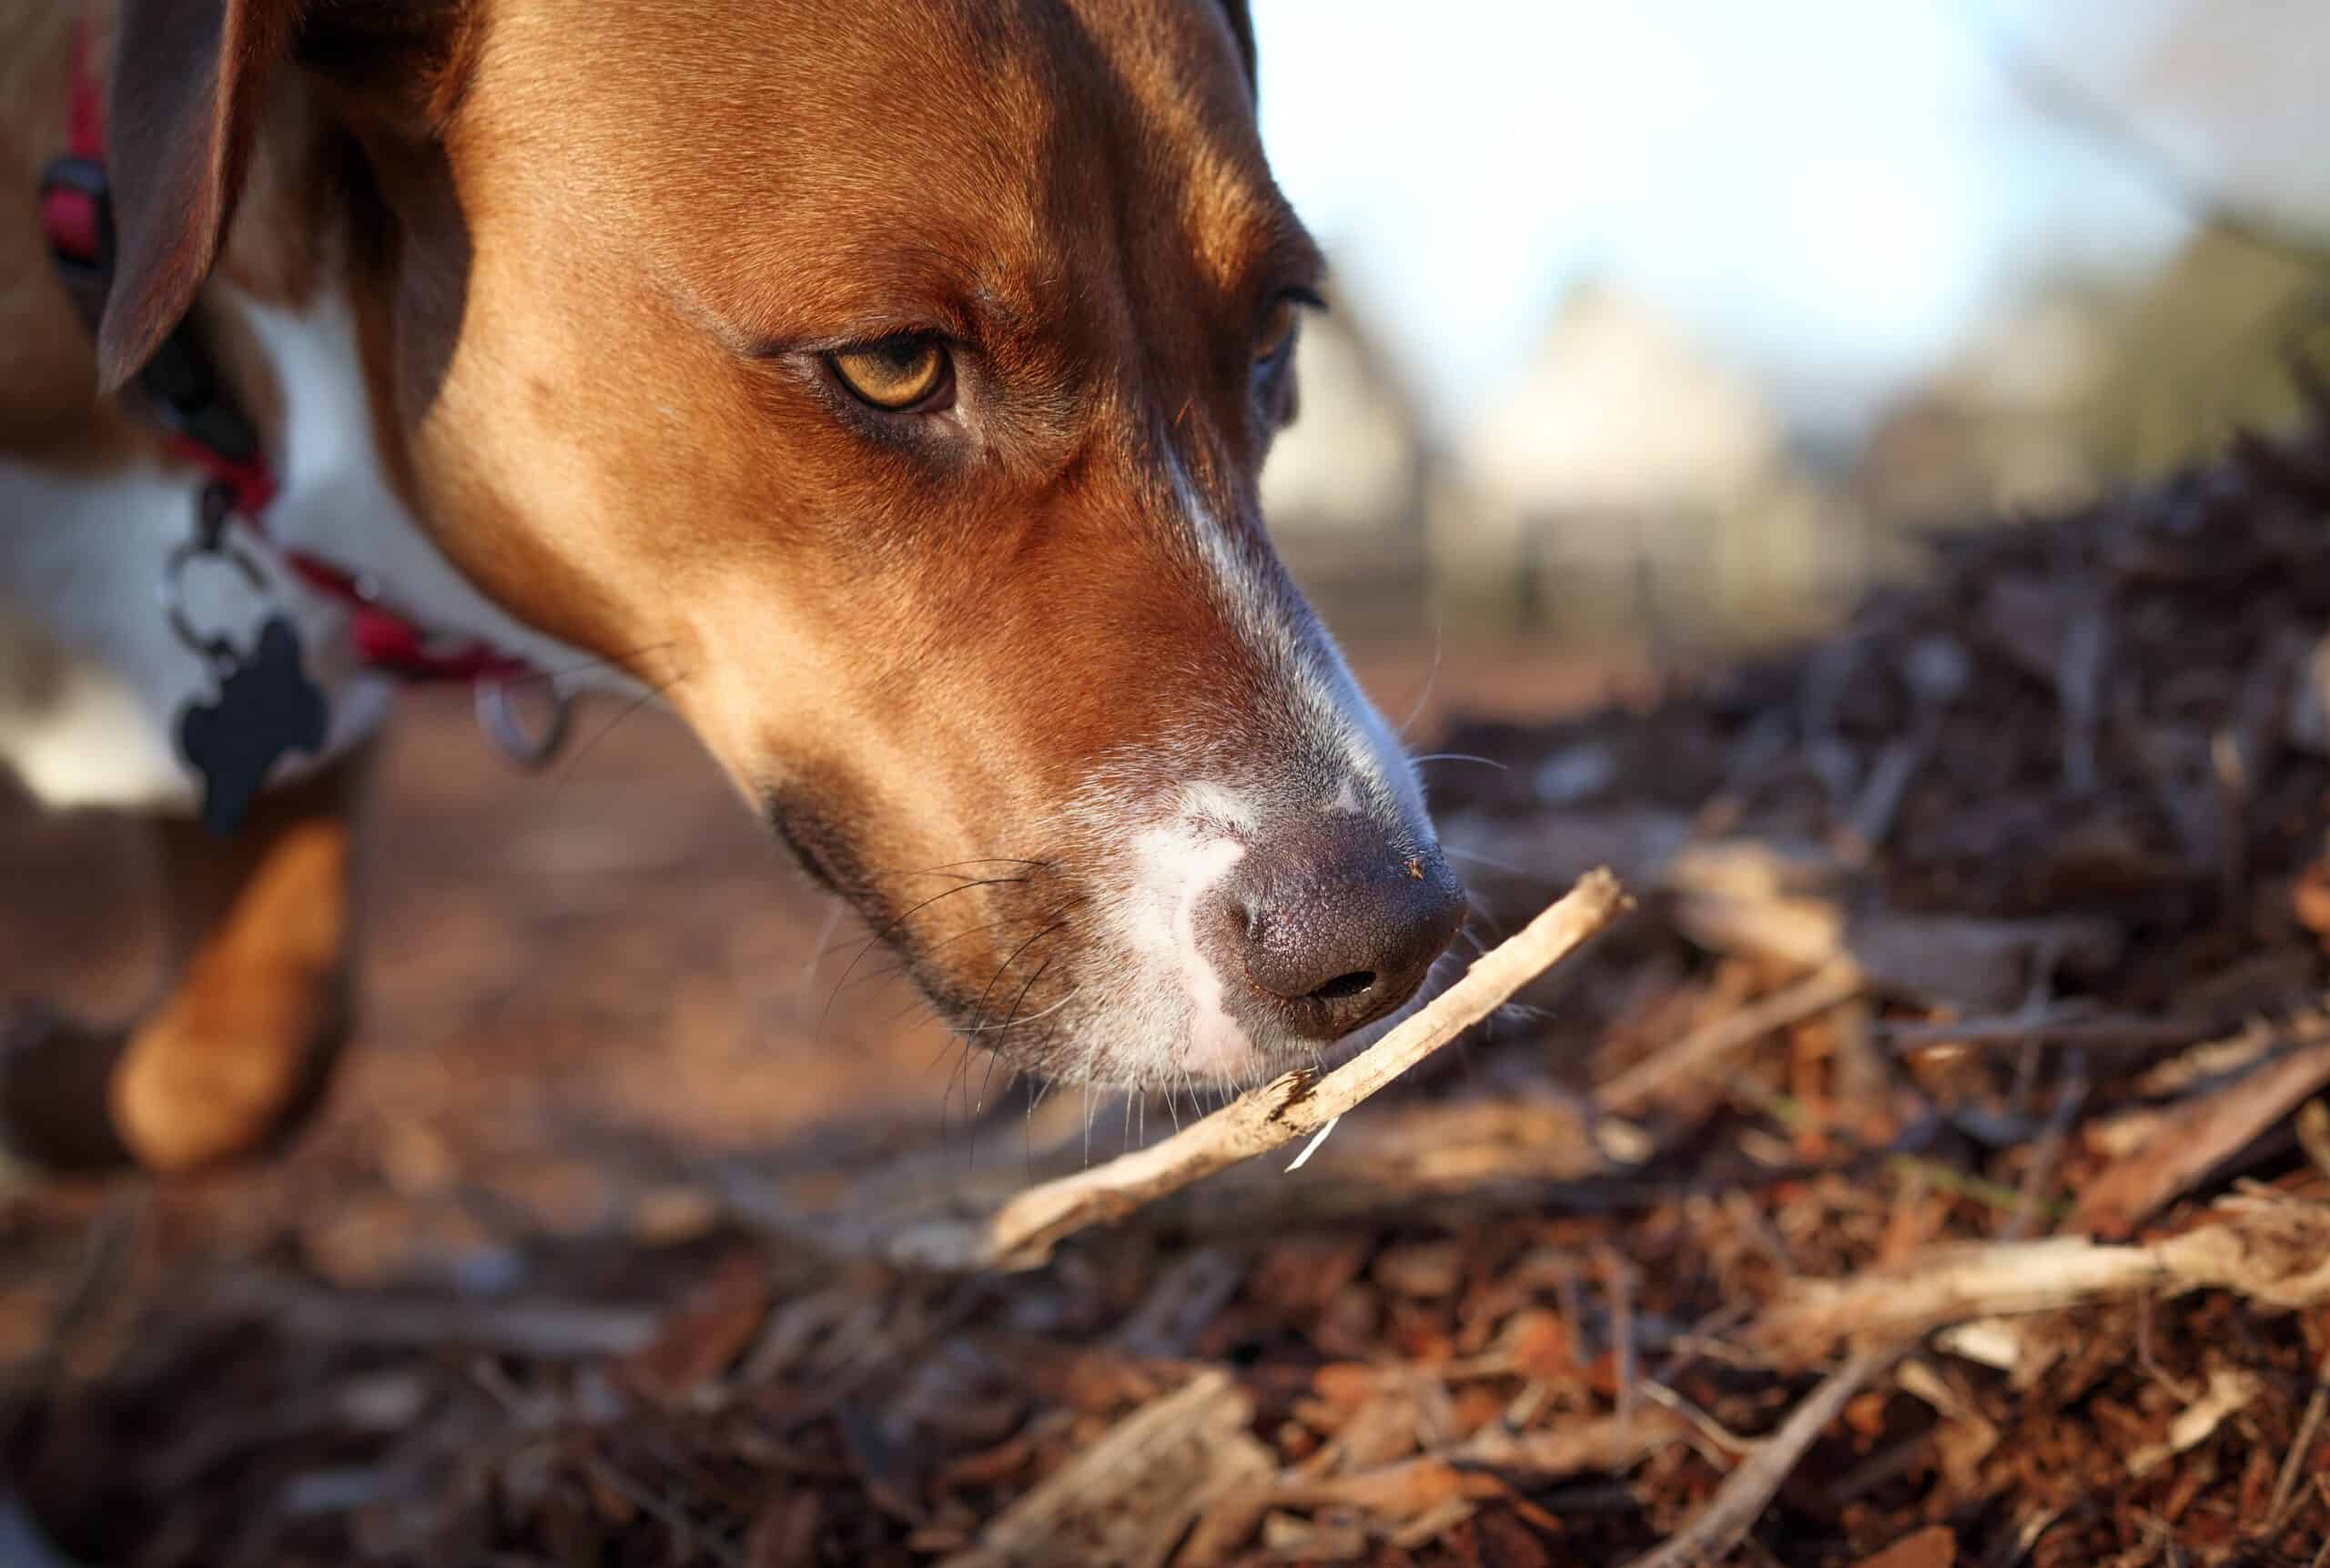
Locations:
(1334, 925)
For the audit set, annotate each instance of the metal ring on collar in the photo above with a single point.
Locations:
(217, 647)
(498, 718)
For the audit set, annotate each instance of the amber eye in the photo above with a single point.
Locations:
(896, 374)
(1278, 331)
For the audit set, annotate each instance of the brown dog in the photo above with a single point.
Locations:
(884, 383)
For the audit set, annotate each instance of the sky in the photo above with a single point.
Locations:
(1830, 191)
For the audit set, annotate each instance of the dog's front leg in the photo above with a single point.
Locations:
(253, 1011)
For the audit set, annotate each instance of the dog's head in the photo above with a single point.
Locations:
(886, 381)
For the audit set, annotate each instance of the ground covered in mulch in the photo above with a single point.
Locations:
(1930, 1170)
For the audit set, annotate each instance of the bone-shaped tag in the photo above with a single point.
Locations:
(266, 707)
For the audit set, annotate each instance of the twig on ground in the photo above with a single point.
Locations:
(551, 1329)
(2301, 1446)
(1633, 1091)
(1620, 1277)
(1024, 1231)
(2029, 1201)
(2199, 1136)
(2066, 1026)
(2272, 1251)
(1130, 1497)
(1747, 1491)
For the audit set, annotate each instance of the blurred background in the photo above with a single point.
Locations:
(1661, 329)
(1664, 326)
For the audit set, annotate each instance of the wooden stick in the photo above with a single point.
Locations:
(1022, 1234)
(1747, 1491)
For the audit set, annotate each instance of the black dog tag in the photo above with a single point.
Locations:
(266, 707)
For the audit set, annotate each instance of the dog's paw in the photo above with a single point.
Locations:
(55, 1079)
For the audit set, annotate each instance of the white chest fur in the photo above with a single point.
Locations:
(92, 678)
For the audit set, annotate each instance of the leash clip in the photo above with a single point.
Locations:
(214, 508)
(497, 715)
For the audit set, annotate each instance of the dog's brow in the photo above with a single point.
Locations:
(870, 294)
(1292, 257)
(1277, 256)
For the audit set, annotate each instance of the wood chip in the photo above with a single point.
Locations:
(1125, 1501)
(2230, 1391)
(2197, 1137)
(1932, 1548)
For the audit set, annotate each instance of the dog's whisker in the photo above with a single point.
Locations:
(894, 970)
(914, 1004)
(619, 663)
(980, 860)
(893, 927)
(980, 1012)
(985, 1080)
(1022, 996)
(1431, 677)
(1482, 913)
(1489, 860)
(1461, 757)
(817, 954)
(950, 867)
(576, 757)
(1021, 1022)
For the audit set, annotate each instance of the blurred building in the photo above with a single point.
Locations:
(1630, 484)
(1344, 487)
(1633, 486)
(1999, 431)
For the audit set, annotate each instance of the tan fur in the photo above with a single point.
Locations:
(260, 995)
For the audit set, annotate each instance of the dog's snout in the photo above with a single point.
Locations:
(1333, 925)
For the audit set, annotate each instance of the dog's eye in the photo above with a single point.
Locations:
(897, 375)
(1273, 363)
(1278, 331)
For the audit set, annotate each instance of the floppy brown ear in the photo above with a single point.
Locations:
(188, 78)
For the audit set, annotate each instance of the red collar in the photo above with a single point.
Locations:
(198, 413)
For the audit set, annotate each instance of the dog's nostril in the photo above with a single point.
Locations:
(1334, 923)
(1342, 985)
